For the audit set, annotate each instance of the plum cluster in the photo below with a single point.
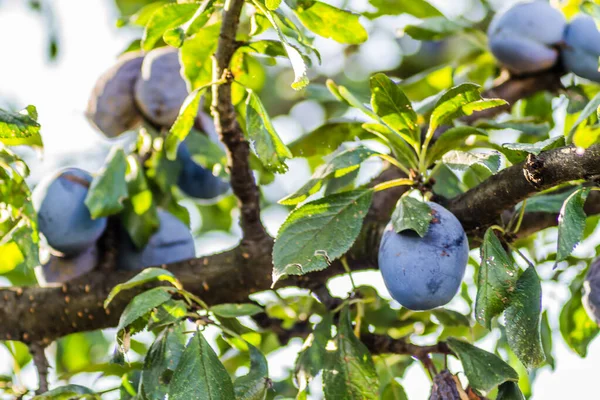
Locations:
(422, 273)
(533, 36)
(72, 234)
(150, 88)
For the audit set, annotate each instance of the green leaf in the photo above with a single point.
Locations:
(200, 374)
(450, 140)
(450, 317)
(326, 138)
(483, 369)
(253, 385)
(434, 28)
(393, 391)
(167, 17)
(548, 203)
(311, 359)
(330, 22)
(236, 310)
(401, 150)
(319, 232)
(586, 136)
(523, 319)
(109, 188)
(349, 371)
(168, 313)
(11, 257)
(196, 54)
(267, 144)
(341, 164)
(537, 147)
(391, 104)
(68, 392)
(546, 332)
(459, 101)
(461, 160)
(509, 391)
(496, 282)
(272, 4)
(21, 128)
(162, 357)
(527, 126)
(416, 8)
(571, 223)
(412, 214)
(142, 304)
(184, 122)
(576, 327)
(146, 276)
(590, 108)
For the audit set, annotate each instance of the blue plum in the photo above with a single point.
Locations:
(161, 90)
(171, 243)
(591, 287)
(63, 269)
(582, 48)
(425, 273)
(524, 37)
(195, 180)
(111, 106)
(63, 217)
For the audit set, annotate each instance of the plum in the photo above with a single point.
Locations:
(582, 48)
(111, 106)
(524, 37)
(63, 269)
(161, 90)
(63, 217)
(422, 273)
(591, 295)
(195, 180)
(171, 243)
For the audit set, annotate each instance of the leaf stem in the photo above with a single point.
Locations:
(393, 183)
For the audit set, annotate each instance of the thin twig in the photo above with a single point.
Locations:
(41, 364)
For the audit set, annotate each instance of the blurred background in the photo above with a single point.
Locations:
(54, 50)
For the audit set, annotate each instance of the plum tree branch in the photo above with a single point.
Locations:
(226, 124)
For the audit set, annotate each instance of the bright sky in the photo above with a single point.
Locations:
(89, 45)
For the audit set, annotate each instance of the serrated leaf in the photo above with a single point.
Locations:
(167, 17)
(341, 164)
(200, 374)
(548, 203)
(483, 369)
(349, 370)
(496, 281)
(391, 104)
(416, 8)
(146, 276)
(68, 392)
(195, 56)
(571, 223)
(412, 214)
(142, 304)
(168, 313)
(311, 359)
(434, 28)
(537, 147)
(163, 356)
(509, 391)
(184, 122)
(590, 108)
(527, 126)
(267, 144)
(236, 310)
(319, 232)
(523, 320)
(462, 160)
(109, 188)
(401, 150)
(330, 22)
(450, 140)
(459, 101)
(21, 128)
(393, 391)
(253, 385)
(326, 138)
(576, 327)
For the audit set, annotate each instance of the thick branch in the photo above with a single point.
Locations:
(238, 149)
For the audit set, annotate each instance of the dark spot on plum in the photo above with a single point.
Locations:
(445, 253)
(434, 284)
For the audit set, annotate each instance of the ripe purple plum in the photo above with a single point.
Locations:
(171, 243)
(582, 48)
(591, 295)
(524, 37)
(63, 217)
(62, 269)
(423, 273)
(111, 106)
(195, 180)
